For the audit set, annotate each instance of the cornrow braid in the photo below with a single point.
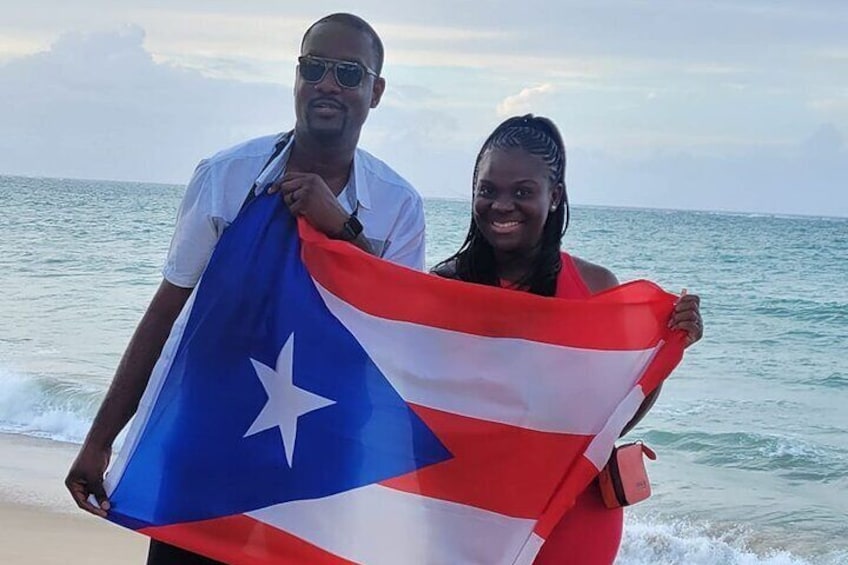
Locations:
(475, 260)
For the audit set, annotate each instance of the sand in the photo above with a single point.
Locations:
(40, 524)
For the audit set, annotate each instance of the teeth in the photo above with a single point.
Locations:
(505, 224)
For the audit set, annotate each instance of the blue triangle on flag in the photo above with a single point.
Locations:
(193, 461)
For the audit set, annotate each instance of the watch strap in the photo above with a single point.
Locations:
(351, 228)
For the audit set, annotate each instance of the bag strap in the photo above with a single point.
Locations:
(278, 148)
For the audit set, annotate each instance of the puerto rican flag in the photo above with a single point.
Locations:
(314, 404)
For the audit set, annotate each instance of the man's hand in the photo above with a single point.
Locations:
(86, 478)
(307, 195)
(86, 474)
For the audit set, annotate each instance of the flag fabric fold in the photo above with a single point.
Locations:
(314, 404)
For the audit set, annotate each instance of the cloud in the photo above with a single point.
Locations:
(643, 129)
(807, 177)
(834, 104)
(99, 106)
(827, 140)
(713, 69)
(523, 101)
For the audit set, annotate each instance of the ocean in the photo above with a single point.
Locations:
(751, 430)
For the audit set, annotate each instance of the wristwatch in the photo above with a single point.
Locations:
(351, 229)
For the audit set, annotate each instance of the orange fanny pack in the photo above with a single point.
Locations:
(624, 479)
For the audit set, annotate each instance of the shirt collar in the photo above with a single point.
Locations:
(277, 166)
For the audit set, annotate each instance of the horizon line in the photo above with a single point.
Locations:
(787, 215)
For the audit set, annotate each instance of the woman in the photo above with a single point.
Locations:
(519, 215)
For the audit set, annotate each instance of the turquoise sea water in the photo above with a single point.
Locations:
(751, 430)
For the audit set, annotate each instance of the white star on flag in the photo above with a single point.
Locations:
(286, 401)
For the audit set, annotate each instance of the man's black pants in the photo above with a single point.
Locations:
(164, 554)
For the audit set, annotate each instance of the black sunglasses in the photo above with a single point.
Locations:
(349, 74)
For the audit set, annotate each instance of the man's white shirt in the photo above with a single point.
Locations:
(391, 211)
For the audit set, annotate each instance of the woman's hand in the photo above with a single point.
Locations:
(687, 317)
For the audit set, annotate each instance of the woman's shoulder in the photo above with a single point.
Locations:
(597, 277)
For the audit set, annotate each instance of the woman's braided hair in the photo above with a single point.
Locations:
(475, 260)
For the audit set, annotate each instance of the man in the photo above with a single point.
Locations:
(318, 171)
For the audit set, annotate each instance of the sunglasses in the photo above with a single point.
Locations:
(349, 74)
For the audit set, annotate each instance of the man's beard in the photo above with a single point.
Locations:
(328, 135)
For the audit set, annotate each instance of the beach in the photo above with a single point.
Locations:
(749, 429)
(39, 523)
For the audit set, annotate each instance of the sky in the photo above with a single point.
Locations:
(738, 105)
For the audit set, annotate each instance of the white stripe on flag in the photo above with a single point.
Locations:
(601, 445)
(378, 525)
(530, 550)
(148, 399)
(475, 376)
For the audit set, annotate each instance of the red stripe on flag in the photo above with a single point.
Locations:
(496, 467)
(579, 477)
(242, 540)
(627, 317)
(668, 356)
